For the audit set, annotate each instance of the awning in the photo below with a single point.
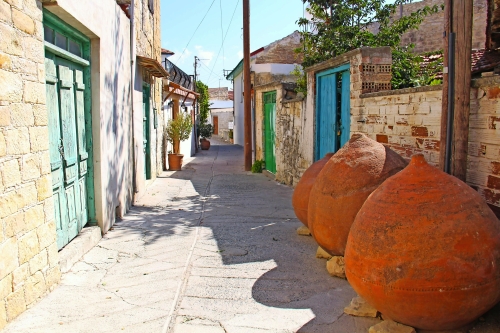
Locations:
(176, 88)
(152, 66)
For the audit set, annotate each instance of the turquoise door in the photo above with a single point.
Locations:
(68, 145)
(270, 131)
(146, 144)
(332, 110)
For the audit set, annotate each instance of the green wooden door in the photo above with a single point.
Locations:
(146, 92)
(270, 131)
(68, 152)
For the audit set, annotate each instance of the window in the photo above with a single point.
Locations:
(151, 5)
(62, 41)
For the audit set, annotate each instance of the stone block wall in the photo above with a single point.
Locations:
(29, 261)
(483, 169)
(290, 160)
(406, 120)
(429, 35)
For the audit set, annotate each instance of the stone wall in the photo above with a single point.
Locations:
(29, 258)
(429, 35)
(406, 120)
(282, 51)
(409, 122)
(219, 94)
(483, 169)
(290, 161)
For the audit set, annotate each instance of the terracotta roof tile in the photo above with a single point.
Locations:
(165, 51)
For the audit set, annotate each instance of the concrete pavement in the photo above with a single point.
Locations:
(208, 249)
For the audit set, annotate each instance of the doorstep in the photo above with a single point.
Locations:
(269, 174)
(76, 249)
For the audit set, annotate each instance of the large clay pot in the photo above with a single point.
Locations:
(300, 198)
(342, 187)
(204, 144)
(175, 162)
(425, 250)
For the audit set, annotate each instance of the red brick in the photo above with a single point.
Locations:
(495, 168)
(382, 138)
(492, 196)
(419, 131)
(493, 93)
(494, 182)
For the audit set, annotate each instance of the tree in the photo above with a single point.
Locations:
(202, 89)
(339, 26)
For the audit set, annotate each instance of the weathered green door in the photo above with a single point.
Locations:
(68, 152)
(270, 131)
(146, 92)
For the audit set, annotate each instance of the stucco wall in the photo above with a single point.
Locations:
(29, 261)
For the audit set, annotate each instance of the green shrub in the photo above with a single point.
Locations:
(257, 166)
(206, 131)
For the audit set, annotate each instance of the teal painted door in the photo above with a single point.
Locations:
(332, 110)
(146, 91)
(270, 131)
(67, 144)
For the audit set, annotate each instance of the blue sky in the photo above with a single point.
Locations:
(270, 20)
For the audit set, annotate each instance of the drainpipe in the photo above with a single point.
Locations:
(132, 88)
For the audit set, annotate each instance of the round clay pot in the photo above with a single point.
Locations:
(300, 198)
(342, 187)
(424, 250)
(175, 162)
(204, 144)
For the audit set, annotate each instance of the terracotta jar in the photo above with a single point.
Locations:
(342, 187)
(300, 198)
(425, 250)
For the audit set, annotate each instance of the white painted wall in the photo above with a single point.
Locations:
(273, 68)
(109, 29)
(239, 123)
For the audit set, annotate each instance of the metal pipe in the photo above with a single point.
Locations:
(132, 89)
(451, 102)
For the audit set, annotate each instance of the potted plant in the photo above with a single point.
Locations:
(231, 136)
(177, 130)
(206, 131)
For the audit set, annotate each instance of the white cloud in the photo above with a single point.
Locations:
(240, 54)
(177, 60)
(204, 55)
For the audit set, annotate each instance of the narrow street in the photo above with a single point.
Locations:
(209, 249)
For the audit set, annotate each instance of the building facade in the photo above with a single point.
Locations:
(70, 74)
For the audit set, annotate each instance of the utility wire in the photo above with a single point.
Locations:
(222, 32)
(211, 71)
(196, 30)
(237, 3)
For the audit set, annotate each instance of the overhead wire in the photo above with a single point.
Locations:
(227, 30)
(222, 32)
(196, 30)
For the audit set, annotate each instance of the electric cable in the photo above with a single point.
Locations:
(196, 30)
(217, 58)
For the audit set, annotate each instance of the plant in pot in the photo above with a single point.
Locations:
(231, 136)
(177, 130)
(206, 131)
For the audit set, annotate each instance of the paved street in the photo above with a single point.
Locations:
(209, 249)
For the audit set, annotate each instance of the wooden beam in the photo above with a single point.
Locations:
(458, 20)
(462, 26)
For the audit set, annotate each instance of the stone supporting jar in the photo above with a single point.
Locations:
(424, 250)
(300, 198)
(342, 187)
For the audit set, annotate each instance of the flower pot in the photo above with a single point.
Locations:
(175, 162)
(342, 187)
(300, 198)
(424, 250)
(205, 144)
